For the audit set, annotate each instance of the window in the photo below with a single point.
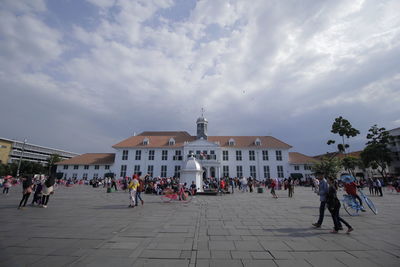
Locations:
(212, 152)
(106, 167)
(231, 142)
(74, 175)
(65, 167)
(297, 167)
(123, 171)
(178, 155)
(278, 155)
(84, 176)
(266, 172)
(252, 155)
(86, 167)
(257, 142)
(265, 154)
(150, 170)
(225, 171)
(307, 167)
(253, 171)
(239, 171)
(125, 155)
(96, 167)
(171, 141)
(76, 167)
(225, 155)
(164, 155)
(177, 172)
(136, 169)
(95, 175)
(238, 155)
(146, 141)
(151, 154)
(163, 170)
(138, 155)
(280, 171)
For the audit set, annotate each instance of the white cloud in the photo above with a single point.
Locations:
(270, 60)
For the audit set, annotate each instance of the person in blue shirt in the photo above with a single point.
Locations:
(322, 192)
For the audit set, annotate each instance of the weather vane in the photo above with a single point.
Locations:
(202, 112)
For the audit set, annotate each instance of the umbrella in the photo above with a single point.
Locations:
(8, 177)
(347, 178)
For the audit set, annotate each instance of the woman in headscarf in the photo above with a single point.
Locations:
(48, 189)
(27, 187)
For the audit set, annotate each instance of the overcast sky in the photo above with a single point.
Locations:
(84, 75)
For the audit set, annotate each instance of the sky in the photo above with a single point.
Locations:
(84, 75)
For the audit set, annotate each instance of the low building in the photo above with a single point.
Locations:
(164, 154)
(300, 166)
(86, 166)
(12, 150)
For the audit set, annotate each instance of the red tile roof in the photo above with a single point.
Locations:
(355, 154)
(90, 159)
(161, 139)
(298, 158)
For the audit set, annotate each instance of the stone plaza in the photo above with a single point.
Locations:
(85, 226)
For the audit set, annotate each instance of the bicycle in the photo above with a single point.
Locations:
(169, 195)
(353, 207)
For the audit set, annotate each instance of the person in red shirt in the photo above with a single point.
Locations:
(351, 189)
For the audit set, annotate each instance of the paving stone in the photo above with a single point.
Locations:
(248, 245)
(241, 255)
(220, 254)
(84, 226)
(259, 263)
(221, 245)
(225, 263)
(261, 255)
(291, 263)
(161, 254)
(203, 254)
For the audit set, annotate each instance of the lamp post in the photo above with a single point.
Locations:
(20, 157)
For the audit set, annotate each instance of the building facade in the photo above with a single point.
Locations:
(394, 168)
(12, 150)
(163, 154)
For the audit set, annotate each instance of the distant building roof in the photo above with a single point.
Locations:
(298, 158)
(161, 139)
(355, 154)
(90, 159)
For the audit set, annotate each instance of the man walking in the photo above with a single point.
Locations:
(322, 192)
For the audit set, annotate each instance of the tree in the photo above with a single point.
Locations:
(328, 166)
(376, 154)
(350, 163)
(344, 128)
(51, 163)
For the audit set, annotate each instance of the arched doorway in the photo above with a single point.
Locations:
(212, 172)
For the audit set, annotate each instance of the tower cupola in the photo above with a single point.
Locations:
(202, 128)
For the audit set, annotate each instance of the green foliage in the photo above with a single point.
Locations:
(51, 163)
(344, 128)
(376, 154)
(27, 167)
(328, 166)
(378, 136)
(350, 163)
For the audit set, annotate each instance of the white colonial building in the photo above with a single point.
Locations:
(164, 154)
